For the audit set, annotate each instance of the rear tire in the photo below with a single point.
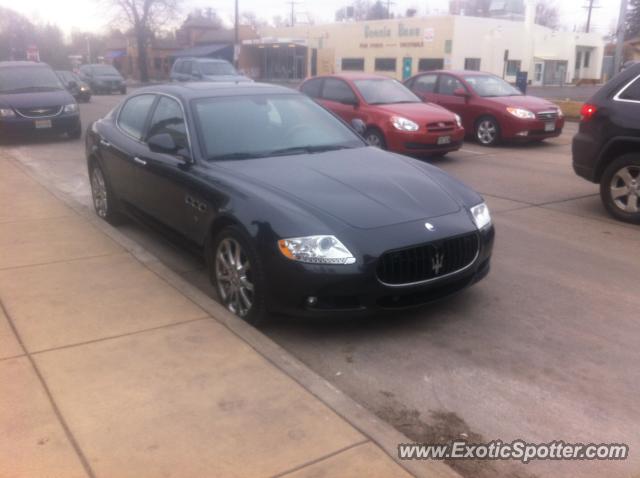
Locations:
(620, 188)
(75, 133)
(105, 203)
(236, 271)
(375, 138)
(487, 131)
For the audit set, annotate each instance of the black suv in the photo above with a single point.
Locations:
(606, 149)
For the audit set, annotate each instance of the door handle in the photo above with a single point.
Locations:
(105, 143)
(142, 162)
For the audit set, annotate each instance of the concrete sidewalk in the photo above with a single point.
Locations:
(109, 369)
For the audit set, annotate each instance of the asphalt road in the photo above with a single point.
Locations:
(545, 348)
(570, 92)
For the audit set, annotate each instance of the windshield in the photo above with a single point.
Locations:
(242, 127)
(217, 68)
(105, 70)
(385, 92)
(21, 79)
(487, 86)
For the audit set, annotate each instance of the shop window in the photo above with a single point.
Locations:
(430, 64)
(448, 46)
(385, 64)
(472, 64)
(353, 64)
(513, 67)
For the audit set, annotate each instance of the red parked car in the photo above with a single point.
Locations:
(490, 108)
(395, 118)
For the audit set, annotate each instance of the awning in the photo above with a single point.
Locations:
(201, 51)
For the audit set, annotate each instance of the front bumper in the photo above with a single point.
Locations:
(63, 123)
(355, 289)
(528, 130)
(423, 142)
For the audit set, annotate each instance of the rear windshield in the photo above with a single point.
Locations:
(217, 68)
(25, 79)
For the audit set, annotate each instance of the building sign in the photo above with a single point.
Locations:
(402, 31)
(408, 36)
(429, 34)
(33, 54)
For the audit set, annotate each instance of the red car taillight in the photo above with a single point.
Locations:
(587, 112)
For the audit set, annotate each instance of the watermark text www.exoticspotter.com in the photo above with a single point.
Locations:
(515, 450)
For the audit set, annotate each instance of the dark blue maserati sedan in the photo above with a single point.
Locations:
(292, 210)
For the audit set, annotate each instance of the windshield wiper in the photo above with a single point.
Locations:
(33, 88)
(230, 156)
(309, 149)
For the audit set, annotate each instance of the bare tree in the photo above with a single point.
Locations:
(143, 17)
(547, 14)
(411, 12)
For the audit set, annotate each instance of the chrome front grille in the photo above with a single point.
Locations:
(440, 126)
(547, 115)
(43, 112)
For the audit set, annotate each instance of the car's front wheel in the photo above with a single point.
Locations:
(104, 201)
(236, 272)
(375, 138)
(488, 131)
(620, 188)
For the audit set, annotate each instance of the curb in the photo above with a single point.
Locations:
(378, 431)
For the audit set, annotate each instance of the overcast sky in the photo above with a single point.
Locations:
(87, 15)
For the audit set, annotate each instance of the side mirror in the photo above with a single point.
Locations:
(359, 126)
(162, 143)
(460, 92)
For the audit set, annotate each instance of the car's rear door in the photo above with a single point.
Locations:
(424, 86)
(121, 144)
(338, 96)
(446, 87)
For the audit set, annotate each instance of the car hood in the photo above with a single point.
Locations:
(42, 99)
(232, 78)
(532, 103)
(421, 112)
(363, 187)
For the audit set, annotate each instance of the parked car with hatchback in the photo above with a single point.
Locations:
(491, 109)
(606, 149)
(293, 211)
(103, 78)
(74, 85)
(394, 118)
(205, 69)
(33, 100)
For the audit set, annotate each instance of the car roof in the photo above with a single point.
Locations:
(194, 58)
(203, 89)
(11, 64)
(354, 76)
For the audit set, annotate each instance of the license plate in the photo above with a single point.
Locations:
(444, 140)
(42, 124)
(549, 126)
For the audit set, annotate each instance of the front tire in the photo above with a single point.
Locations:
(237, 273)
(375, 138)
(75, 133)
(487, 131)
(620, 188)
(105, 202)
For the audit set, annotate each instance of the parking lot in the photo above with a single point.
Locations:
(543, 349)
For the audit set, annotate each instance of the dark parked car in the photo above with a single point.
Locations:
(32, 99)
(491, 109)
(606, 149)
(103, 79)
(74, 85)
(294, 212)
(394, 118)
(205, 69)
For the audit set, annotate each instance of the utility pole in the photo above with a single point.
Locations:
(389, 3)
(293, 11)
(620, 37)
(590, 8)
(236, 37)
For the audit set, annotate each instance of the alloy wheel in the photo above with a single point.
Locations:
(233, 277)
(99, 192)
(374, 140)
(487, 132)
(625, 189)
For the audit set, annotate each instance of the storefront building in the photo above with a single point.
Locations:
(402, 47)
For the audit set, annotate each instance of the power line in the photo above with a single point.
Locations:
(590, 7)
(293, 11)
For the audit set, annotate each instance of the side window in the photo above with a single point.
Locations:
(168, 118)
(631, 92)
(186, 68)
(338, 91)
(425, 83)
(449, 84)
(312, 88)
(177, 66)
(195, 68)
(133, 115)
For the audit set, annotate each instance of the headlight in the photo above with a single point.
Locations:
(560, 113)
(403, 124)
(481, 215)
(458, 121)
(83, 88)
(521, 113)
(316, 250)
(7, 113)
(71, 108)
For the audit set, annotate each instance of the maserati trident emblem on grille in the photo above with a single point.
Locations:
(429, 226)
(437, 262)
